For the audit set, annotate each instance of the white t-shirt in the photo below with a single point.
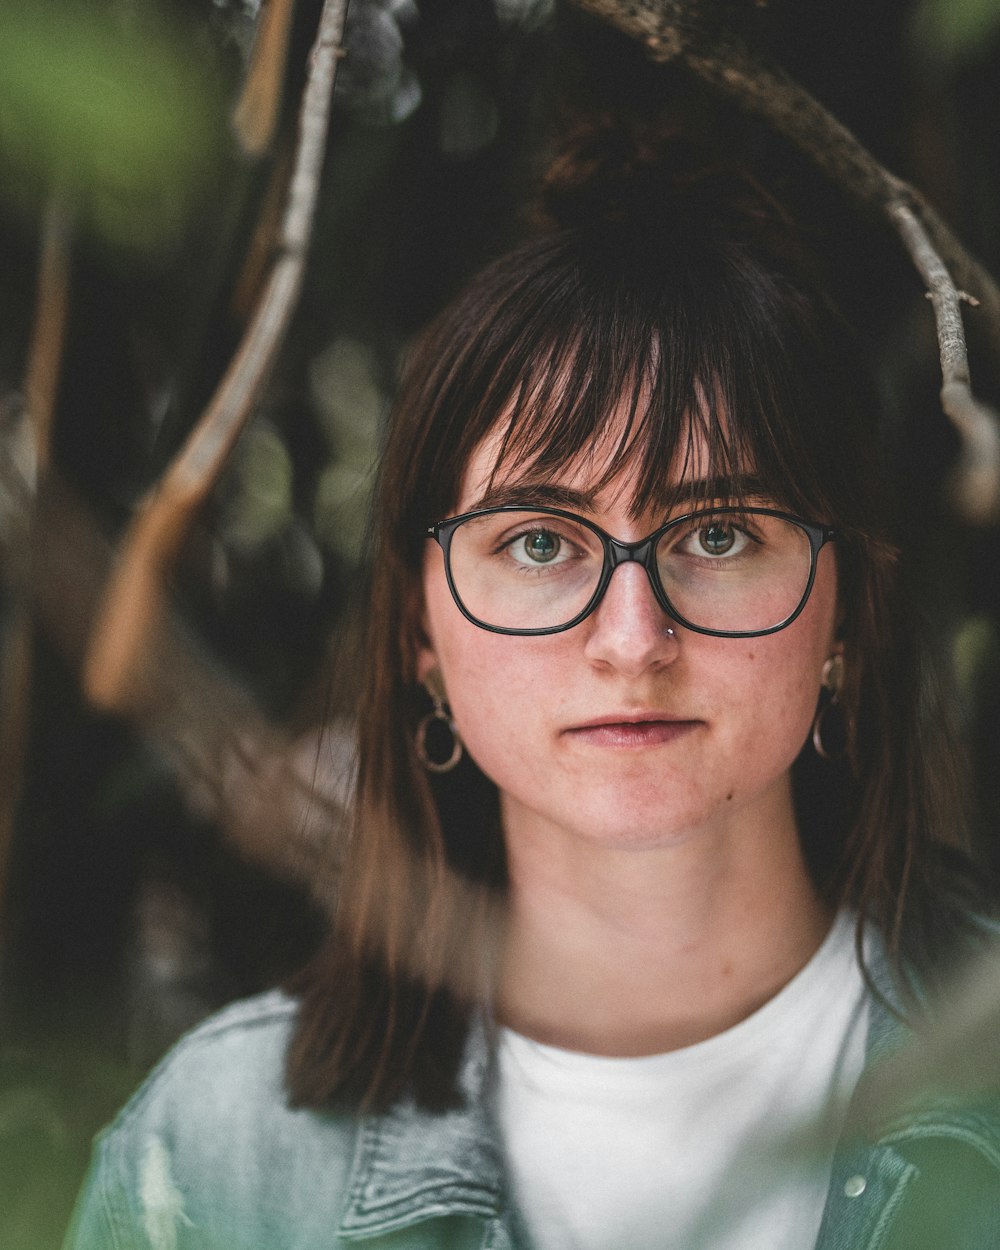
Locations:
(724, 1145)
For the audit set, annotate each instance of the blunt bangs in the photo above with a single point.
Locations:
(577, 347)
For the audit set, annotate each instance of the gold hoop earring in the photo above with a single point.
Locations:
(832, 681)
(436, 718)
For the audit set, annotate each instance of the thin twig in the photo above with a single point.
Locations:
(41, 383)
(135, 598)
(255, 118)
(976, 483)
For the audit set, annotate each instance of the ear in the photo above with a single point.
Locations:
(424, 657)
(428, 671)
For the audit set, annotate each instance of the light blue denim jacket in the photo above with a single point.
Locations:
(208, 1155)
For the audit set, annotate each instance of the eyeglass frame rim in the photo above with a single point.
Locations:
(617, 552)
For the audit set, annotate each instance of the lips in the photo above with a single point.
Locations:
(632, 730)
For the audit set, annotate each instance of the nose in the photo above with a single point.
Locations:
(629, 631)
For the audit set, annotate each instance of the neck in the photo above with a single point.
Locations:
(626, 951)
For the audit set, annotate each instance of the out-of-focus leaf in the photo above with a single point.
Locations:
(976, 653)
(374, 83)
(349, 402)
(124, 115)
(258, 501)
(51, 1102)
(340, 512)
(950, 29)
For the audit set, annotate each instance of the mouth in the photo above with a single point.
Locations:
(632, 730)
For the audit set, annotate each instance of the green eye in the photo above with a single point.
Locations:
(541, 546)
(717, 538)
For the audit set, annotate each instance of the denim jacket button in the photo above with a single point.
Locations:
(855, 1186)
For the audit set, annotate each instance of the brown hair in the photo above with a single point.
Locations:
(689, 298)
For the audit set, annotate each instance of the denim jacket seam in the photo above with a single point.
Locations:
(955, 1129)
(888, 1213)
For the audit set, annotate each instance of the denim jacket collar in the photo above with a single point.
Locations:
(410, 1166)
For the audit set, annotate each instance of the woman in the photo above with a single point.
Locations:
(649, 852)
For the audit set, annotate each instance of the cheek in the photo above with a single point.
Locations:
(781, 673)
(476, 666)
(502, 691)
(499, 713)
(495, 683)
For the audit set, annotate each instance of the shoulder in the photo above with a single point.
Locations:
(232, 1064)
(209, 1150)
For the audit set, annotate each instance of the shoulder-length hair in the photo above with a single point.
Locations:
(708, 313)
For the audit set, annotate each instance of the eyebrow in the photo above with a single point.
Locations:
(551, 495)
(536, 494)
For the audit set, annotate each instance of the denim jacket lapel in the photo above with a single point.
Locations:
(411, 1168)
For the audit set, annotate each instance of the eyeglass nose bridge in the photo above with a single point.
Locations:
(642, 552)
(624, 553)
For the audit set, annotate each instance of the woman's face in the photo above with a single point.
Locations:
(617, 730)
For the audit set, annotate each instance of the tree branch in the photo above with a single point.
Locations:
(41, 383)
(976, 482)
(135, 597)
(693, 33)
(280, 799)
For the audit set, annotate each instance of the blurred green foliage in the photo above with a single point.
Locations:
(259, 501)
(49, 1106)
(118, 110)
(947, 30)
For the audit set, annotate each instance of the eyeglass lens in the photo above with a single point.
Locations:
(728, 571)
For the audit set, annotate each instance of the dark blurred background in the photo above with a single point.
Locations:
(153, 862)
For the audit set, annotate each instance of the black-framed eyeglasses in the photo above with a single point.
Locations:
(730, 572)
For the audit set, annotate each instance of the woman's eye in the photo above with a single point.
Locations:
(718, 539)
(540, 546)
(715, 539)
